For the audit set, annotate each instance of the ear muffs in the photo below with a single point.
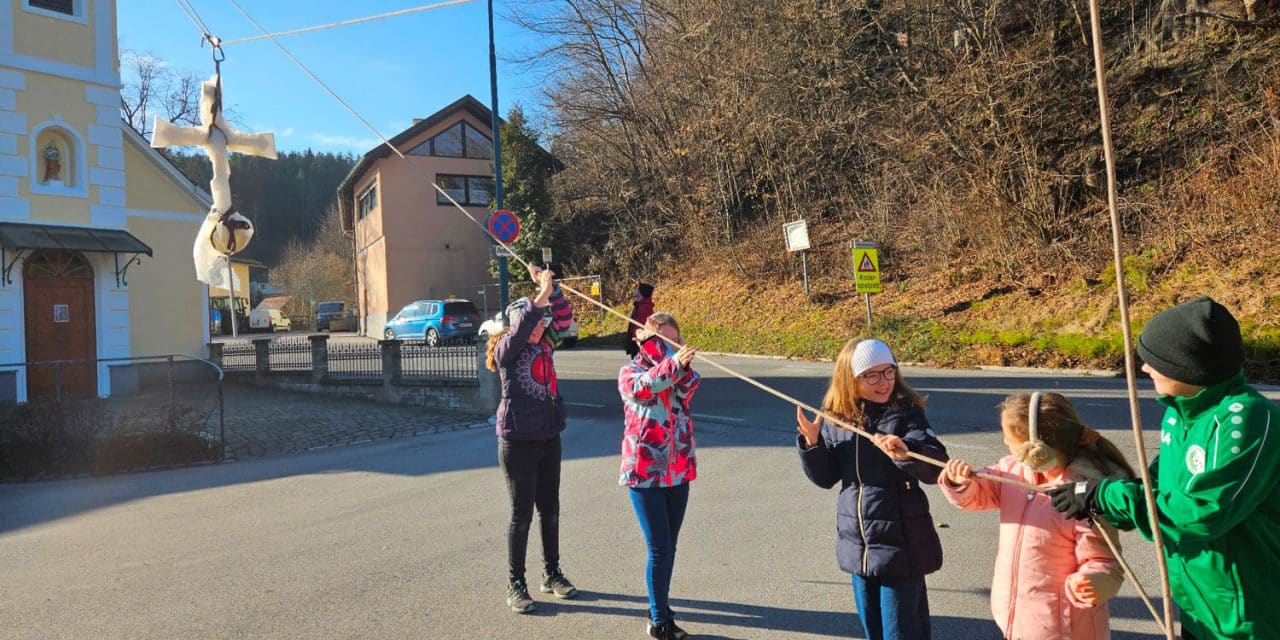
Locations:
(1036, 453)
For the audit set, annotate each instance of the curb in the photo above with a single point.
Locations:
(1084, 373)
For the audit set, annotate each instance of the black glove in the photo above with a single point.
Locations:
(1076, 500)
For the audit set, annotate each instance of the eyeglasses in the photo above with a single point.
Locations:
(876, 377)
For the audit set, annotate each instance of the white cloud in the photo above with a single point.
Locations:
(287, 132)
(349, 142)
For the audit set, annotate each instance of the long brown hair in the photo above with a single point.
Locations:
(1060, 427)
(490, 363)
(842, 400)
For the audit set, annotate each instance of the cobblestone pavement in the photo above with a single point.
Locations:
(262, 421)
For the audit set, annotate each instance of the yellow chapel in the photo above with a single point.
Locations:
(96, 228)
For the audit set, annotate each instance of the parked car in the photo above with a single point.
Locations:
(335, 316)
(269, 320)
(434, 321)
(495, 324)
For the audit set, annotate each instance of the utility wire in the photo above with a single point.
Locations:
(343, 23)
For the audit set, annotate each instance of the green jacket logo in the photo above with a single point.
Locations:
(1195, 459)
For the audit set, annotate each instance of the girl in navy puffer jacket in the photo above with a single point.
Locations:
(885, 535)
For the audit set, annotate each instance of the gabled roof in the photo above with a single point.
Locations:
(466, 103)
(165, 167)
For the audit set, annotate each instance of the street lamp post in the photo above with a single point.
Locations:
(497, 154)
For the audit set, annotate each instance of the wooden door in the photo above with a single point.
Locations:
(58, 300)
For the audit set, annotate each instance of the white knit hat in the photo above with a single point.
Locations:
(870, 353)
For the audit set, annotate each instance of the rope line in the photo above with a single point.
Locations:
(1104, 110)
(702, 358)
(343, 23)
(192, 15)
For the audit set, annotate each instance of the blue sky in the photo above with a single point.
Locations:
(390, 71)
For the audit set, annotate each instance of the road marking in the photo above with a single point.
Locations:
(714, 418)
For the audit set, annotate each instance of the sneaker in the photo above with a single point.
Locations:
(558, 585)
(667, 631)
(518, 597)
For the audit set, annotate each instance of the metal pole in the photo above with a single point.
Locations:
(231, 296)
(495, 125)
(222, 426)
(868, 296)
(804, 265)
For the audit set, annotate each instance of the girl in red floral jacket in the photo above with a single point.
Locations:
(658, 454)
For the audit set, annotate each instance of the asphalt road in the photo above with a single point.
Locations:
(405, 539)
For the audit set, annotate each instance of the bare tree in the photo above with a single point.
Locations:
(151, 87)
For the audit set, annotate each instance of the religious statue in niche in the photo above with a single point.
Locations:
(52, 164)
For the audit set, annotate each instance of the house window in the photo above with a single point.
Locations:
(459, 141)
(475, 191)
(368, 200)
(73, 9)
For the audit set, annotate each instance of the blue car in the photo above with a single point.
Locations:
(434, 321)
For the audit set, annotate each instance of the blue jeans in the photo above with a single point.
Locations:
(892, 608)
(660, 511)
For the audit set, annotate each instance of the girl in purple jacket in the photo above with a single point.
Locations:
(530, 417)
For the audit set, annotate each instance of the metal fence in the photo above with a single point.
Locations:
(392, 362)
(239, 357)
(163, 410)
(289, 356)
(450, 364)
(355, 362)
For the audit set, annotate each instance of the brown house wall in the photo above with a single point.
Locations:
(427, 250)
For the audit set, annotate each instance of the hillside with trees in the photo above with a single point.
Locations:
(961, 136)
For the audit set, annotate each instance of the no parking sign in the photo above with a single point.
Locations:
(504, 226)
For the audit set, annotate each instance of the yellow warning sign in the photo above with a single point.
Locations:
(595, 287)
(866, 270)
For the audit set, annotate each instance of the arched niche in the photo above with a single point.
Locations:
(58, 164)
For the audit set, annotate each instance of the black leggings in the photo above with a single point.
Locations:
(533, 479)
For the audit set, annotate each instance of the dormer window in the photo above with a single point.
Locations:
(63, 9)
(459, 141)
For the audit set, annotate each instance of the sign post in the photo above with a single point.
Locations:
(866, 272)
(797, 236)
(504, 226)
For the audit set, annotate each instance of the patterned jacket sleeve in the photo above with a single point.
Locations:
(641, 385)
(561, 315)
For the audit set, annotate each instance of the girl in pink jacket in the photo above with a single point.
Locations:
(1053, 576)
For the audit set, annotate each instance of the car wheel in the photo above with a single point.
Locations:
(388, 334)
(432, 338)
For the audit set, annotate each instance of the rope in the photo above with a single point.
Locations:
(1130, 369)
(194, 17)
(344, 23)
(842, 424)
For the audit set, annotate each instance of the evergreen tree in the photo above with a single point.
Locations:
(526, 171)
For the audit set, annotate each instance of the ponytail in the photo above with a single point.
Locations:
(1107, 452)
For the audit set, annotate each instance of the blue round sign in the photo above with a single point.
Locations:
(504, 226)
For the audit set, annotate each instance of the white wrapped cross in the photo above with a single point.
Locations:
(224, 231)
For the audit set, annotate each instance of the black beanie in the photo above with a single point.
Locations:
(645, 289)
(1196, 342)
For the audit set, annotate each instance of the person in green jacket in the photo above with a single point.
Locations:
(1216, 481)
